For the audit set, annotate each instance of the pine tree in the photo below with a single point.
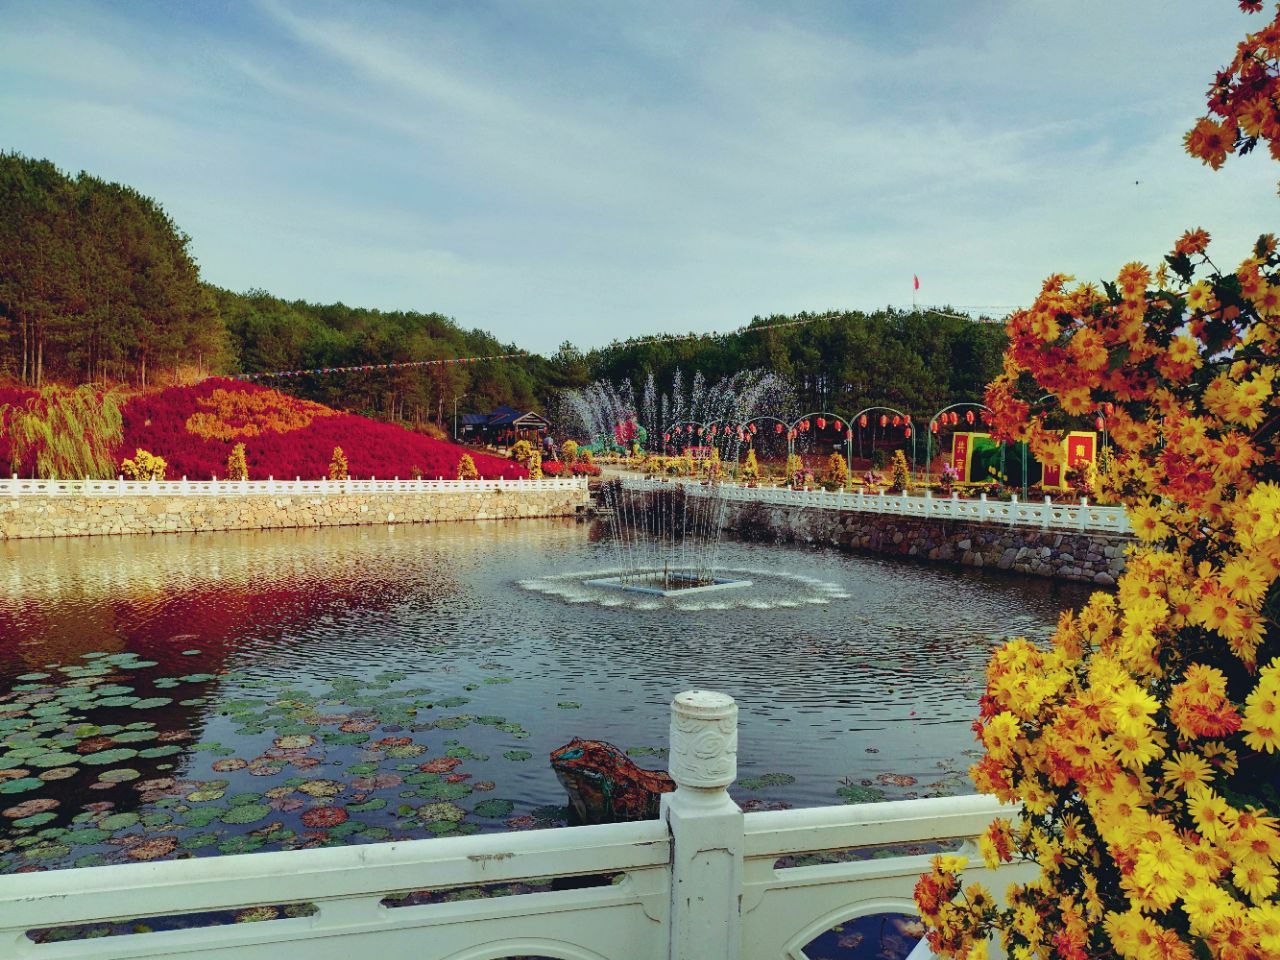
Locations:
(901, 474)
(467, 468)
(750, 467)
(837, 474)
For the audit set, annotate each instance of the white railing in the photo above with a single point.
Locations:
(703, 883)
(16, 487)
(1032, 513)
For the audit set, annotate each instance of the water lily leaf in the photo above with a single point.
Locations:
(34, 676)
(47, 851)
(119, 775)
(451, 702)
(493, 680)
(197, 677)
(449, 812)
(167, 750)
(191, 653)
(205, 795)
(242, 844)
(240, 799)
(109, 756)
(246, 813)
(21, 785)
(853, 793)
(198, 841)
(34, 820)
(152, 848)
(152, 702)
(87, 835)
(337, 738)
(118, 821)
(55, 759)
(134, 736)
(493, 808)
(376, 803)
(518, 755)
(568, 705)
(766, 780)
(117, 702)
(58, 773)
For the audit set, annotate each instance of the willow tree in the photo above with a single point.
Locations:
(64, 433)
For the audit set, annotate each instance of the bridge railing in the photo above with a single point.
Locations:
(705, 882)
(1047, 514)
(120, 487)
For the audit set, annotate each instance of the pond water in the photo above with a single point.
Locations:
(220, 693)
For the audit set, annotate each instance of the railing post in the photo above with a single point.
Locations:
(706, 828)
(1048, 513)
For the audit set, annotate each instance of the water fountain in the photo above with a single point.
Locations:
(667, 537)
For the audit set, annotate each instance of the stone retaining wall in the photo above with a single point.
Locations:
(77, 516)
(1092, 557)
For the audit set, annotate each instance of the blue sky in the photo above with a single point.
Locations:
(589, 170)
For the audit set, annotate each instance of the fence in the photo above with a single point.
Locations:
(1047, 515)
(705, 882)
(14, 486)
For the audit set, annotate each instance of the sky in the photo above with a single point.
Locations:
(584, 171)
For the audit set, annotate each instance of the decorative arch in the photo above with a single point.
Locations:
(853, 423)
(503, 949)
(867, 908)
(933, 421)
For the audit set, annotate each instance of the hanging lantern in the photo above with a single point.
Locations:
(777, 428)
(933, 426)
(1108, 408)
(862, 420)
(822, 423)
(700, 431)
(806, 425)
(837, 425)
(1098, 424)
(666, 438)
(907, 432)
(751, 427)
(884, 420)
(897, 421)
(713, 429)
(968, 417)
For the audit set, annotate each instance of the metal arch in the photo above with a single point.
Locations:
(848, 447)
(928, 456)
(905, 416)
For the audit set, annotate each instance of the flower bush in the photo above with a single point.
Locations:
(237, 465)
(901, 473)
(143, 466)
(1143, 744)
(553, 468)
(159, 421)
(338, 467)
(836, 476)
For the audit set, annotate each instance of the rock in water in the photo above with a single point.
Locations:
(604, 786)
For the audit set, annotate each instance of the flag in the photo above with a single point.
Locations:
(916, 281)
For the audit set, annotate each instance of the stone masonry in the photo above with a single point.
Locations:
(1085, 556)
(74, 516)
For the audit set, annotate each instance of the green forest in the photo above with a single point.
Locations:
(98, 285)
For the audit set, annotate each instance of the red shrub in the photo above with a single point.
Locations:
(158, 422)
(552, 468)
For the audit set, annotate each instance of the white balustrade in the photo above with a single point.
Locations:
(120, 487)
(704, 882)
(1047, 515)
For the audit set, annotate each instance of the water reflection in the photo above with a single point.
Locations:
(192, 694)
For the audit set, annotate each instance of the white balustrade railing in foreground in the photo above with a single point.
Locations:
(702, 883)
(16, 487)
(1045, 514)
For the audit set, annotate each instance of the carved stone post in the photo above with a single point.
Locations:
(706, 828)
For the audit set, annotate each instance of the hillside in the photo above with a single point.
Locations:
(195, 428)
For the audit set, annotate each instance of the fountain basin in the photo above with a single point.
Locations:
(660, 584)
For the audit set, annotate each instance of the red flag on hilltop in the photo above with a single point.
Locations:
(916, 281)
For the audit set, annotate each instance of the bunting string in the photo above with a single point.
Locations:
(369, 367)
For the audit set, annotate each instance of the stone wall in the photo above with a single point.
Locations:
(1092, 557)
(76, 516)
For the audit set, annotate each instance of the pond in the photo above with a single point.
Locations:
(189, 695)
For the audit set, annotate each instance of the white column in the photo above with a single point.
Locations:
(706, 828)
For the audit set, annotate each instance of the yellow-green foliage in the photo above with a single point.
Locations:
(750, 467)
(237, 465)
(144, 466)
(837, 473)
(521, 451)
(338, 465)
(794, 465)
(901, 473)
(535, 466)
(587, 457)
(64, 433)
(569, 451)
(467, 468)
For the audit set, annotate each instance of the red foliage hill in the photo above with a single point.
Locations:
(194, 429)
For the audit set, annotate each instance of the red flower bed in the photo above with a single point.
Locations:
(157, 422)
(552, 468)
(581, 469)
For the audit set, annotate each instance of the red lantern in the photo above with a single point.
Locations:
(752, 427)
(1097, 424)
(836, 424)
(897, 421)
(862, 420)
(968, 417)
(713, 429)
(777, 428)
(1108, 408)
(666, 438)
(806, 425)
(822, 423)
(907, 432)
(934, 426)
(700, 431)
(884, 420)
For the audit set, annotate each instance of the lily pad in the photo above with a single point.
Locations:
(109, 756)
(448, 812)
(119, 775)
(118, 821)
(21, 785)
(151, 703)
(493, 808)
(246, 813)
(518, 755)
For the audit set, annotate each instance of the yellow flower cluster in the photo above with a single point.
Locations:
(1144, 743)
